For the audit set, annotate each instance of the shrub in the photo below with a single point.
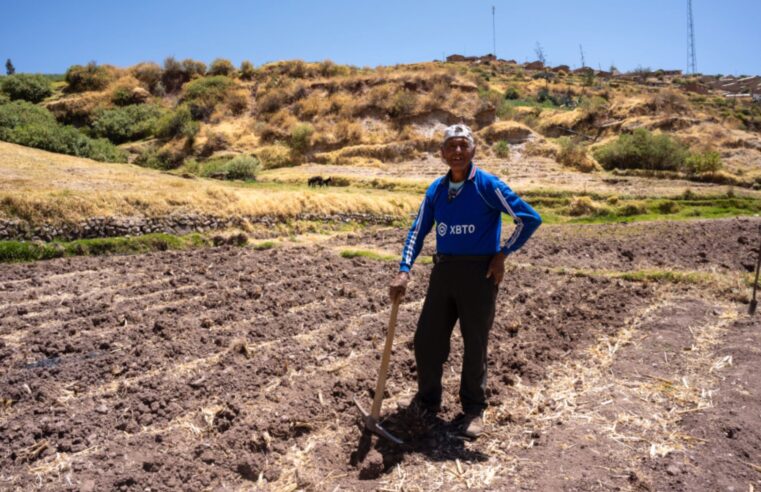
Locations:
(301, 135)
(403, 104)
(271, 101)
(247, 70)
(21, 113)
(243, 167)
(573, 154)
(220, 66)
(149, 74)
(274, 156)
(642, 150)
(164, 159)
(502, 149)
(174, 75)
(203, 95)
(26, 87)
(177, 123)
(668, 207)
(91, 77)
(512, 94)
(66, 140)
(632, 208)
(704, 162)
(581, 205)
(237, 101)
(193, 68)
(127, 123)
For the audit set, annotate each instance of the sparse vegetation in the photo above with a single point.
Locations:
(502, 149)
(574, 155)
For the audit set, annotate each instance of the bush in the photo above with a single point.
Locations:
(668, 207)
(642, 150)
(301, 136)
(165, 158)
(272, 100)
(91, 77)
(502, 149)
(26, 87)
(247, 70)
(220, 66)
(512, 94)
(274, 156)
(632, 208)
(243, 167)
(21, 113)
(574, 155)
(177, 123)
(203, 95)
(66, 140)
(581, 205)
(403, 104)
(193, 68)
(705, 162)
(174, 75)
(127, 123)
(149, 74)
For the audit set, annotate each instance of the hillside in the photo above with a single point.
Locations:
(552, 132)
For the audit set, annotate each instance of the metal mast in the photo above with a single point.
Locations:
(691, 63)
(494, 31)
(581, 50)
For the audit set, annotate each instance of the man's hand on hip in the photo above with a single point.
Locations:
(398, 285)
(497, 268)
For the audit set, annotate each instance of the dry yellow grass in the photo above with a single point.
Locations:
(44, 187)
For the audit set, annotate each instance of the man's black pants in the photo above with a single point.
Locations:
(458, 289)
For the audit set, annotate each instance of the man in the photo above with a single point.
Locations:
(467, 205)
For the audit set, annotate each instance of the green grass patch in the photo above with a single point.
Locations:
(559, 209)
(264, 245)
(25, 251)
(371, 255)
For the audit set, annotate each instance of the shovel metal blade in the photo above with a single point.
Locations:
(373, 426)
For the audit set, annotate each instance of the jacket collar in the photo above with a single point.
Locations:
(471, 174)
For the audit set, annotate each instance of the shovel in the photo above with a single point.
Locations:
(752, 307)
(371, 419)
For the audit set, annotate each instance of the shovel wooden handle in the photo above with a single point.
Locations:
(381, 386)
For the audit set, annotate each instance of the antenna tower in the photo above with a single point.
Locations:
(494, 31)
(691, 63)
(581, 50)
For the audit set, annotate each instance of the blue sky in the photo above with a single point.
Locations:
(48, 36)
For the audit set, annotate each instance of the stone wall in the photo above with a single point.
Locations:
(174, 224)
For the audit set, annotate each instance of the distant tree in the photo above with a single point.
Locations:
(9, 68)
(540, 53)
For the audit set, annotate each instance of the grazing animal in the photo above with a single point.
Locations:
(316, 181)
(327, 182)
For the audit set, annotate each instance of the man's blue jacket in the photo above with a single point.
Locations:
(469, 224)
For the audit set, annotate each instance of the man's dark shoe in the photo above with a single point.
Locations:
(472, 425)
(417, 405)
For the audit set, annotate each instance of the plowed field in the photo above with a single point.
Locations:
(230, 368)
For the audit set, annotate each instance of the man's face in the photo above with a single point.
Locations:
(457, 153)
